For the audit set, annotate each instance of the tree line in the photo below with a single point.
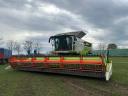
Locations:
(33, 47)
(102, 46)
(29, 46)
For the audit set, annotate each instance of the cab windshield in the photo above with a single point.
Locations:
(63, 43)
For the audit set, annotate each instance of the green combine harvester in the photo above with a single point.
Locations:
(71, 55)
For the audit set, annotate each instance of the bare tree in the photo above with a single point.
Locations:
(37, 47)
(102, 46)
(17, 47)
(10, 45)
(28, 46)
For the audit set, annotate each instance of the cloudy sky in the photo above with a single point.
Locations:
(105, 21)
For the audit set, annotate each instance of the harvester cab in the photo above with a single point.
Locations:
(70, 43)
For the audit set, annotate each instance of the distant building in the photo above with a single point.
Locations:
(112, 52)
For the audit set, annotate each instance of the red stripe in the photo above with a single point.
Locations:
(1, 55)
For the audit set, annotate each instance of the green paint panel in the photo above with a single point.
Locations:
(71, 58)
(40, 58)
(54, 58)
(91, 58)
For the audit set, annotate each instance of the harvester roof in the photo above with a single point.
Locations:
(78, 34)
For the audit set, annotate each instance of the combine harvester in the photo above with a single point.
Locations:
(71, 55)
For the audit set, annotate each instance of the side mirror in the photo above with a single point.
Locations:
(50, 39)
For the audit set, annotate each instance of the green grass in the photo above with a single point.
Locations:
(19, 83)
(120, 70)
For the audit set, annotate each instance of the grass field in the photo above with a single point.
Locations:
(19, 83)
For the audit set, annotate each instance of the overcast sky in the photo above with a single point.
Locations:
(106, 21)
